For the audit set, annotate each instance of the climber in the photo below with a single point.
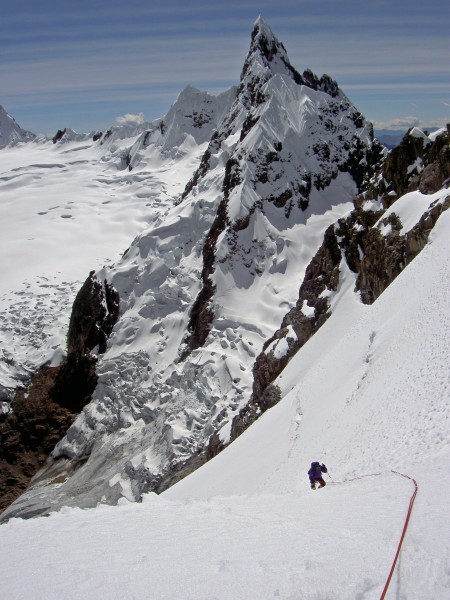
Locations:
(315, 475)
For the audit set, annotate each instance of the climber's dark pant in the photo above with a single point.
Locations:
(319, 480)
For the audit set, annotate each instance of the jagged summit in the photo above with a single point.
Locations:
(10, 130)
(268, 56)
(265, 41)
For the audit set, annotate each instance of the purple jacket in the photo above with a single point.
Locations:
(316, 471)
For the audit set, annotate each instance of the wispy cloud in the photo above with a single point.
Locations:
(398, 123)
(131, 119)
(411, 86)
(403, 123)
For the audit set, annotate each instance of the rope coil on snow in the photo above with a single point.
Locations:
(405, 527)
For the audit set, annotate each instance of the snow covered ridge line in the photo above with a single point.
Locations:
(385, 256)
(265, 169)
(29, 330)
(374, 244)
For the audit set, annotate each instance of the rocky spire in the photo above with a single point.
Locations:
(267, 57)
(265, 42)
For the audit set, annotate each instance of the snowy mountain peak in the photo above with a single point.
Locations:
(10, 130)
(206, 284)
(263, 36)
(195, 113)
(268, 56)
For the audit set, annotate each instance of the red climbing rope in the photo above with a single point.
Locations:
(405, 526)
(411, 504)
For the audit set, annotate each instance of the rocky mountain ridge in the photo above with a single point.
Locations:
(372, 243)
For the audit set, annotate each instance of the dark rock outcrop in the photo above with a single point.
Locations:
(385, 256)
(42, 412)
(94, 314)
(201, 315)
(415, 164)
(58, 135)
(436, 166)
(28, 433)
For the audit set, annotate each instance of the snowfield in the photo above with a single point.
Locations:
(368, 394)
(64, 211)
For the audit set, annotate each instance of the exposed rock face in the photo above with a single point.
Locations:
(94, 314)
(58, 135)
(371, 243)
(28, 433)
(385, 257)
(436, 169)
(378, 254)
(417, 163)
(41, 414)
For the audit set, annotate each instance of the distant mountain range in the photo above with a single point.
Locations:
(392, 137)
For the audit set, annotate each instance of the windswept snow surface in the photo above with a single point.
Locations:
(367, 394)
(65, 210)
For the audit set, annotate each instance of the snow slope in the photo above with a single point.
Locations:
(367, 394)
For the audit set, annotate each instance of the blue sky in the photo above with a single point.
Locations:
(83, 64)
